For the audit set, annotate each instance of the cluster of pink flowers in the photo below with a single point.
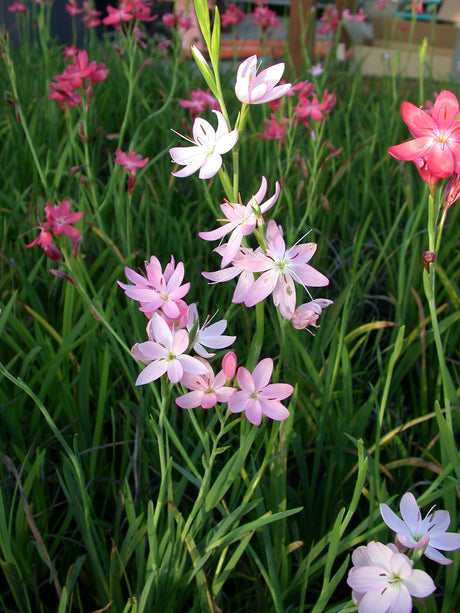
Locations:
(59, 221)
(79, 75)
(307, 108)
(131, 162)
(435, 148)
(330, 19)
(232, 16)
(383, 577)
(17, 7)
(271, 268)
(199, 101)
(264, 17)
(128, 10)
(173, 332)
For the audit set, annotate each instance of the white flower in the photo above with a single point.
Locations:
(208, 145)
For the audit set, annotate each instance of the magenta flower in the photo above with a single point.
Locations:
(253, 88)
(61, 219)
(208, 146)
(280, 267)
(232, 16)
(165, 353)
(158, 290)
(413, 532)
(384, 581)
(436, 136)
(258, 397)
(207, 389)
(210, 335)
(264, 17)
(273, 129)
(241, 220)
(17, 7)
(131, 162)
(199, 101)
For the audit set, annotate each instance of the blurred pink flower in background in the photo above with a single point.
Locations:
(17, 7)
(232, 16)
(264, 17)
(131, 162)
(199, 101)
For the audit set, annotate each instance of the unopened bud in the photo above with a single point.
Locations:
(428, 257)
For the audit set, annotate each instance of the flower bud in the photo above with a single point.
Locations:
(229, 364)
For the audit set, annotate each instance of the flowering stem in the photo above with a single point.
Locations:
(131, 46)
(429, 286)
(258, 338)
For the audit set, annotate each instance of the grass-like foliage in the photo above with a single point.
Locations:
(112, 497)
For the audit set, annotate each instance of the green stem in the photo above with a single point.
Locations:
(429, 286)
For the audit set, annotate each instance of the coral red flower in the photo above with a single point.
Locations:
(436, 136)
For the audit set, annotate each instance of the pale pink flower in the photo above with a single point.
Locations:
(158, 290)
(253, 88)
(316, 70)
(436, 136)
(280, 267)
(165, 353)
(209, 335)
(258, 397)
(429, 534)
(207, 389)
(241, 220)
(208, 146)
(308, 314)
(245, 280)
(383, 580)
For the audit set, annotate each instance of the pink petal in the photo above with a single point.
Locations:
(262, 373)
(262, 288)
(274, 410)
(419, 122)
(152, 372)
(237, 402)
(420, 584)
(446, 109)
(253, 411)
(175, 371)
(191, 400)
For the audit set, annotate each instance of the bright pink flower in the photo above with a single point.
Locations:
(241, 220)
(429, 534)
(280, 267)
(44, 238)
(199, 101)
(116, 16)
(436, 136)
(257, 396)
(208, 146)
(264, 17)
(273, 129)
(232, 16)
(253, 88)
(207, 389)
(310, 108)
(17, 7)
(165, 353)
(61, 219)
(158, 290)
(169, 19)
(308, 314)
(72, 8)
(131, 161)
(70, 52)
(383, 580)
